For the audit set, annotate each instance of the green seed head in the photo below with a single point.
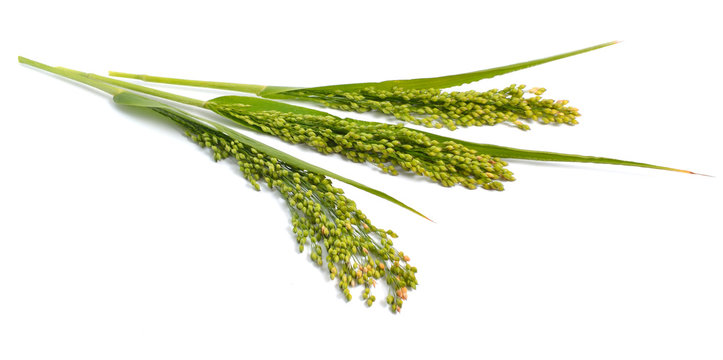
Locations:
(389, 147)
(435, 108)
(357, 252)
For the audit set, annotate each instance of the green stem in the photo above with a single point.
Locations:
(73, 75)
(247, 88)
(114, 91)
(147, 90)
(104, 83)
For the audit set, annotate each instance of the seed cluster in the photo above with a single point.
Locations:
(357, 253)
(387, 146)
(434, 108)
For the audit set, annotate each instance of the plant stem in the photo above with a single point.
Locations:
(106, 84)
(87, 79)
(147, 90)
(247, 88)
(73, 75)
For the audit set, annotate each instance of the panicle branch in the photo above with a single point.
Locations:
(357, 253)
(389, 147)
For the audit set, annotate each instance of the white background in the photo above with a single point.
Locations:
(119, 239)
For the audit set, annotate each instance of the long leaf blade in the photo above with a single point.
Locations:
(522, 154)
(443, 82)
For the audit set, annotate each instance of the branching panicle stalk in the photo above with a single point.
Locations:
(328, 224)
(325, 221)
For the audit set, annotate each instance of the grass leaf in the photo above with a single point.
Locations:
(441, 82)
(513, 153)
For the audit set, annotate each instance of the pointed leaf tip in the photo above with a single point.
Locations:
(443, 82)
(695, 173)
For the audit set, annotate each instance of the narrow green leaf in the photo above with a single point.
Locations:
(443, 82)
(513, 153)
